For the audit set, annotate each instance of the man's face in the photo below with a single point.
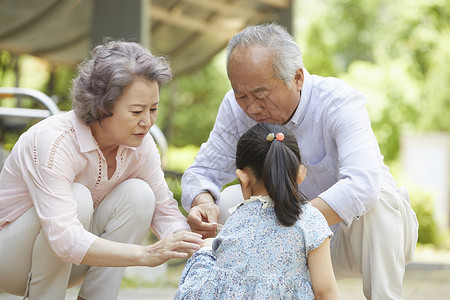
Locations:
(261, 95)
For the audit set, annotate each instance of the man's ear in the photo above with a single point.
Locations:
(301, 174)
(299, 78)
(244, 177)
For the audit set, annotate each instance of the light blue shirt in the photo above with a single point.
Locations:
(344, 165)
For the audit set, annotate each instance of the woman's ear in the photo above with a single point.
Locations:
(244, 177)
(301, 173)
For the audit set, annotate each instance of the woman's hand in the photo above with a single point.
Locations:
(178, 245)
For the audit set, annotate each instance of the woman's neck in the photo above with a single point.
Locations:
(108, 149)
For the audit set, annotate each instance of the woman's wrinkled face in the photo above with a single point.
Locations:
(262, 96)
(134, 114)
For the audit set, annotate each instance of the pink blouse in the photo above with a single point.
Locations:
(60, 150)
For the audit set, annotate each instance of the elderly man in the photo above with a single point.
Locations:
(375, 229)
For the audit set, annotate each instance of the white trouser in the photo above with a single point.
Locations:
(376, 247)
(29, 267)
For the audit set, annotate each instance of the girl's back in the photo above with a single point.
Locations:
(254, 256)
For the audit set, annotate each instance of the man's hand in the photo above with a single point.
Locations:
(203, 215)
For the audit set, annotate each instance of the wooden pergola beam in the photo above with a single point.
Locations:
(277, 3)
(225, 8)
(191, 23)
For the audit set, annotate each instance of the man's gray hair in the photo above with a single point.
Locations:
(286, 54)
(103, 78)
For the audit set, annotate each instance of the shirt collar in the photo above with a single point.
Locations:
(300, 112)
(265, 200)
(84, 135)
(83, 132)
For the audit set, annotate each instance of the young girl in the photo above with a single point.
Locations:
(274, 245)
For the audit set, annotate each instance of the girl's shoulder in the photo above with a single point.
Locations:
(313, 227)
(310, 211)
(311, 217)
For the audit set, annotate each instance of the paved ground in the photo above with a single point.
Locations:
(427, 278)
(421, 282)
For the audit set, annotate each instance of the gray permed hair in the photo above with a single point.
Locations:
(103, 78)
(287, 56)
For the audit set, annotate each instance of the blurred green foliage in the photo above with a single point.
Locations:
(31, 72)
(430, 233)
(189, 104)
(422, 204)
(179, 158)
(396, 52)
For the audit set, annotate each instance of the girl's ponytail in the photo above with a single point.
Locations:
(276, 162)
(280, 179)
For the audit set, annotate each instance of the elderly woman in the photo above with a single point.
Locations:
(80, 190)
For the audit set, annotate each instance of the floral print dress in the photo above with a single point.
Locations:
(255, 257)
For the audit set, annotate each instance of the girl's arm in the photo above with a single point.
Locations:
(321, 271)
